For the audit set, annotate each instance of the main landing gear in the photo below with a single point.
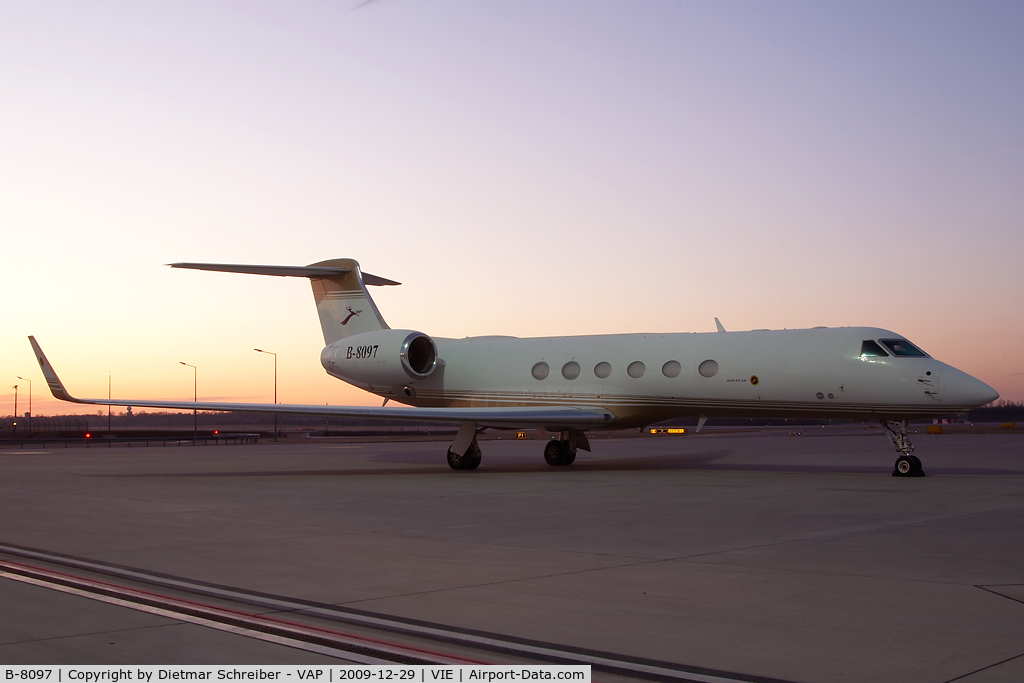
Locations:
(464, 453)
(907, 465)
(557, 453)
(469, 460)
(562, 451)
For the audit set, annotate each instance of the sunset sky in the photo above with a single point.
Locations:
(523, 168)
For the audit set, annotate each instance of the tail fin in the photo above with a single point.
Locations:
(339, 289)
(344, 305)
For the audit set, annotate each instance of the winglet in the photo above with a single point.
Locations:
(56, 386)
(718, 322)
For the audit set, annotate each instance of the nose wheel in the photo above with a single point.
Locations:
(907, 465)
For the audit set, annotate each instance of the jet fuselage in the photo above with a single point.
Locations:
(648, 378)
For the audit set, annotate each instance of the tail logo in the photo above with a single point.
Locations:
(351, 313)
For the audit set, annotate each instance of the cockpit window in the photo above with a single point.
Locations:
(901, 347)
(870, 349)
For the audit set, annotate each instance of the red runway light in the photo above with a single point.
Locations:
(88, 435)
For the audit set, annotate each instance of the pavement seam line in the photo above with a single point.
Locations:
(1002, 595)
(984, 668)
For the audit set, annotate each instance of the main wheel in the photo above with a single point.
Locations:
(570, 456)
(455, 461)
(554, 453)
(904, 466)
(469, 460)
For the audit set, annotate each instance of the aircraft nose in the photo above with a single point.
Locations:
(962, 389)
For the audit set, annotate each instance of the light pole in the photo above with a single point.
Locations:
(276, 424)
(14, 422)
(108, 405)
(195, 399)
(29, 404)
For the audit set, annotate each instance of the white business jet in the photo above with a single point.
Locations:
(571, 384)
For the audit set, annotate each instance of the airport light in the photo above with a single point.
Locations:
(14, 422)
(108, 405)
(29, 404)
(195, 399)
(277, 427)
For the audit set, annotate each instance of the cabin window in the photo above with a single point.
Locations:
(671, 368)
(540, 370)
(571, 370)
(708, 368)
(636, 369)
(869, 349)
(901, 347)
(603, 370)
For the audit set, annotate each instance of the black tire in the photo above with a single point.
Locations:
(553, 453)
(918, 470)
(455, 461)
(569, 457)
(469, 460)
(904, 466)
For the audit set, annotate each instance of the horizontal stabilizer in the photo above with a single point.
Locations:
(314, 272)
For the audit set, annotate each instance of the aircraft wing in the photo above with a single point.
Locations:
(544, 417)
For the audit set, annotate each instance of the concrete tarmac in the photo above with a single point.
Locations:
(750, 556)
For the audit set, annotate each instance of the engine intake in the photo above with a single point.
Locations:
(419, 355)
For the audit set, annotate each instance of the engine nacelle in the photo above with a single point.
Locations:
(382, 360)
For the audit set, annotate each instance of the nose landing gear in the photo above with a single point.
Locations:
(907, 465)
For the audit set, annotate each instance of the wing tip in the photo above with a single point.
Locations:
(52, 380)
